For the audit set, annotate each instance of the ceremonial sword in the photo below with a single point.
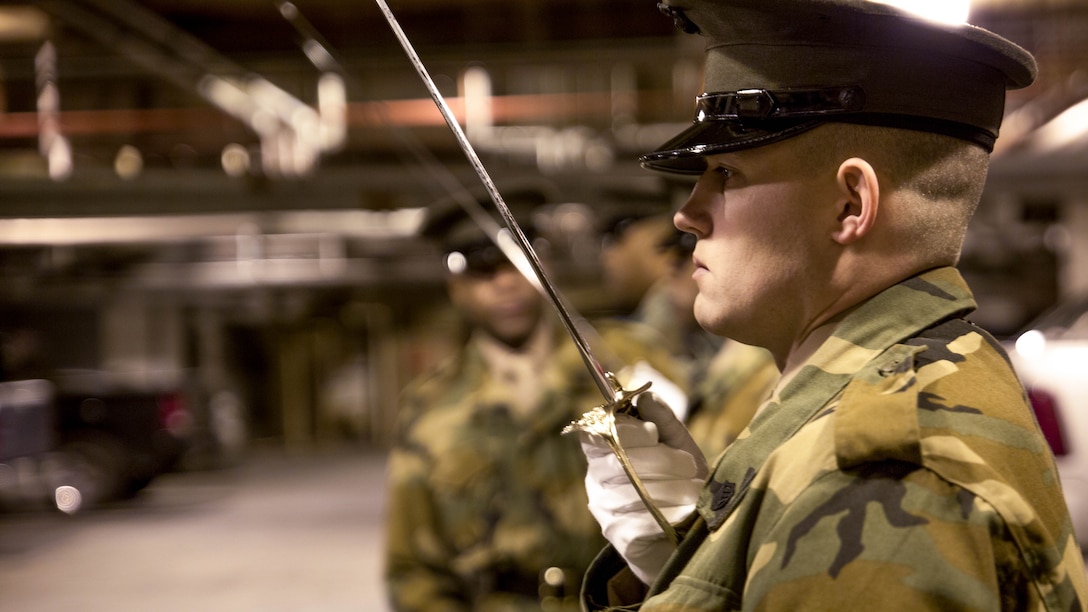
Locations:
(600, 421)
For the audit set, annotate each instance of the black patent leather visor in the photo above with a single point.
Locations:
(749, 118)
(686, 152)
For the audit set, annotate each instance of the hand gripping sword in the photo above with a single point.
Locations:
(601, 420)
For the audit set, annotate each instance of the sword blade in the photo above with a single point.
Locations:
(605, 383)
(601, 420)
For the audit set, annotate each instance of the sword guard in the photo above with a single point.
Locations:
(599, 420)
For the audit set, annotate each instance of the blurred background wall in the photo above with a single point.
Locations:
(224, 197)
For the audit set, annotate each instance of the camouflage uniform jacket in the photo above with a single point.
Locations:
(900, 469)
(482, 498)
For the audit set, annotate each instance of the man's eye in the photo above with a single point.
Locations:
(722, 173)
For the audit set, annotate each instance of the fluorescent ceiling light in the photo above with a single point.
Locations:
(22, 23)
(942, 11)
(1068, 128)
(367, 224)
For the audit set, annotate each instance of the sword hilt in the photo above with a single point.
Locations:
(601, 422)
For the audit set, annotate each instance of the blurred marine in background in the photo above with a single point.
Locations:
(728, 380)
(487, 507)
(647, 265)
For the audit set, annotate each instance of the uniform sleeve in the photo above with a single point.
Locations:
(610, 583)
(888, 536)
(417, 574)
(417, 557)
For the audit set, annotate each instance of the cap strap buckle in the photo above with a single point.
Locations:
(778, 104)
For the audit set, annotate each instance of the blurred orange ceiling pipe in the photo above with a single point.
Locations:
(113, 121)
(566, 107)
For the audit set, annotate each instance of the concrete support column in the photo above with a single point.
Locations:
(1073, 275)
(296, 407)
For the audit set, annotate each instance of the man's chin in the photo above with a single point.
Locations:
(513, 342)
(513, 337)
(709, 321)
(718, 325)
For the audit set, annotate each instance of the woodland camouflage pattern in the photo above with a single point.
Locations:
(483, 500)
(900, 469)
(727, 393)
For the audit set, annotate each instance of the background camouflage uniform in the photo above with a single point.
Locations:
(901, 468)
(728, 380)
(482, 500)
(726, 391)
(658, 309)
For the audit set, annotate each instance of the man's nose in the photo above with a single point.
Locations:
(507, 275)
(692, 216)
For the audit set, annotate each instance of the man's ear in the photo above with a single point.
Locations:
(859, 201)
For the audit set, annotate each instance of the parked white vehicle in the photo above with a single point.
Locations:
(1051, 358)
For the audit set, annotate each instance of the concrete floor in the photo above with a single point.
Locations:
(280, 533)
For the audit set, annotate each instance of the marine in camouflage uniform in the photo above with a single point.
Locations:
(897, 464)
(903, 452)
(487, 508)
(486, 505)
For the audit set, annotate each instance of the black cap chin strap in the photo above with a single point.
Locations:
(778, 104)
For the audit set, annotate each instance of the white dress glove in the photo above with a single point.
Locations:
(671, 467)
(665, 391)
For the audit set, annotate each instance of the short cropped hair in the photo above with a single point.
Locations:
(937, 181)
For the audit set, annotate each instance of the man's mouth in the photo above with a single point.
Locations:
(511, 309)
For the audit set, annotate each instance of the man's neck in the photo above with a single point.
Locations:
(518, 370)
(806, 348)
(538, 343)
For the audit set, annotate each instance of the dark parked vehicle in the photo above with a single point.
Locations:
(28, 438)
(106, 439)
